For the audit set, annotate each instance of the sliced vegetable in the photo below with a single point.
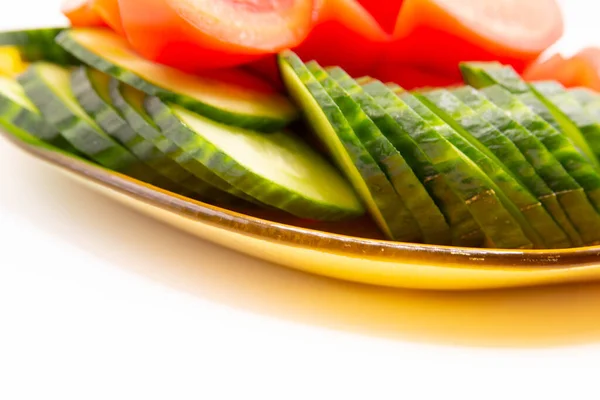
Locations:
(110, 13)
(579, 70)
(442, 33)
(417, 202)
(385, 12)
(414, 77)
(352, 158)
(199, 35)
(579, 208)
(11, 63)
(38, 45)
(130, 103)
(557, 183)
(278, 169)
(49, 88)
(344, 34)
(209, 95)
(80, 14)
(503, 163)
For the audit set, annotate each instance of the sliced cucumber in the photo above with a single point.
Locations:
(584, 96)
(593, 109)
(221, 101)
(482, 74)
(278, 169)
(38, 45)
(49, 88)
(130, 102)
(501, 164)
(329, 123)
(557, 187)
(413, 195)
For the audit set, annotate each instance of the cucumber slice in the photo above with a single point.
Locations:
(584, 96)
(278, 169)
(216, 99)
(482, 75)
(536, 221)
(38, 45)
(92, 90)
(593, 109)
(130, 102)
(449, 154)
(570, 113)
(407, 185)
(49, 88)
(16, 109)
(329, 123)
(557, 187)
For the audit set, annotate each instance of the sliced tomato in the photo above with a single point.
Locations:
(80, 14)
(385, 12)
(414, 77)
(583, 69)
(442, 33)
(110, 13)
(345, 35)
(203, 34)
(268, 69)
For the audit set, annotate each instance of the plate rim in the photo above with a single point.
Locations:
(333, 243)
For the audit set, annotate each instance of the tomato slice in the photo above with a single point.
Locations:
(110, 13)
(345, 35)
(414, 77)
(583, 69)
(385, 12)
(443, 33)
(80, 14)
(203, 34)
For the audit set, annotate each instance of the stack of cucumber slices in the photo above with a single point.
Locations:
(495, 163)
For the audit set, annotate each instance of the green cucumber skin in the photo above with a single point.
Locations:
(191, 172)
(38, 45)
(475, 189)
(391, 222)
(464, 230)
(561, 100)
(238, 176)
(86, 138)
(579, 206)
(407, 185)
(544, 167)
(109, 119)
(259, 123)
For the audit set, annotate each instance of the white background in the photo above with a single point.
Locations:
(98, 302)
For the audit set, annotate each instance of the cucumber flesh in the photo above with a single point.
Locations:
(216, 99)
(541, 173)
(580, 197)
(130, 102)
(572, 116)
(278, 168)
(38, 45)
(413, 195)
(48, 86)
(482, 75)
(439, 143)
(535, 220)
(350, 155)
(584, 96)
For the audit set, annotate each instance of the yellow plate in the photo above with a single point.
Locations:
(350, 251)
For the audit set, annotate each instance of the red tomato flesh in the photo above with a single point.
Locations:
(203, 34)
(411, 77)
(80, 14)
(583, 69)
(110, 13)
(384, 11)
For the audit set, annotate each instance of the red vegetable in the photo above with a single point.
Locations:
(345, 35)
(80, 14)
(411, 77)
(201, 34)
(441, 33)
(384, 11)
(583, 69)
(110, 13)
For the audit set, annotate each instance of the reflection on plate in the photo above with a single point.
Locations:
(350, 251)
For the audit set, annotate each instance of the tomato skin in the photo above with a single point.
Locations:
(80, 14)
(384, 11)
(428, 34)
(583, 69)
(109, 11)
(414, 77)
(161, 34)
(345, 35)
